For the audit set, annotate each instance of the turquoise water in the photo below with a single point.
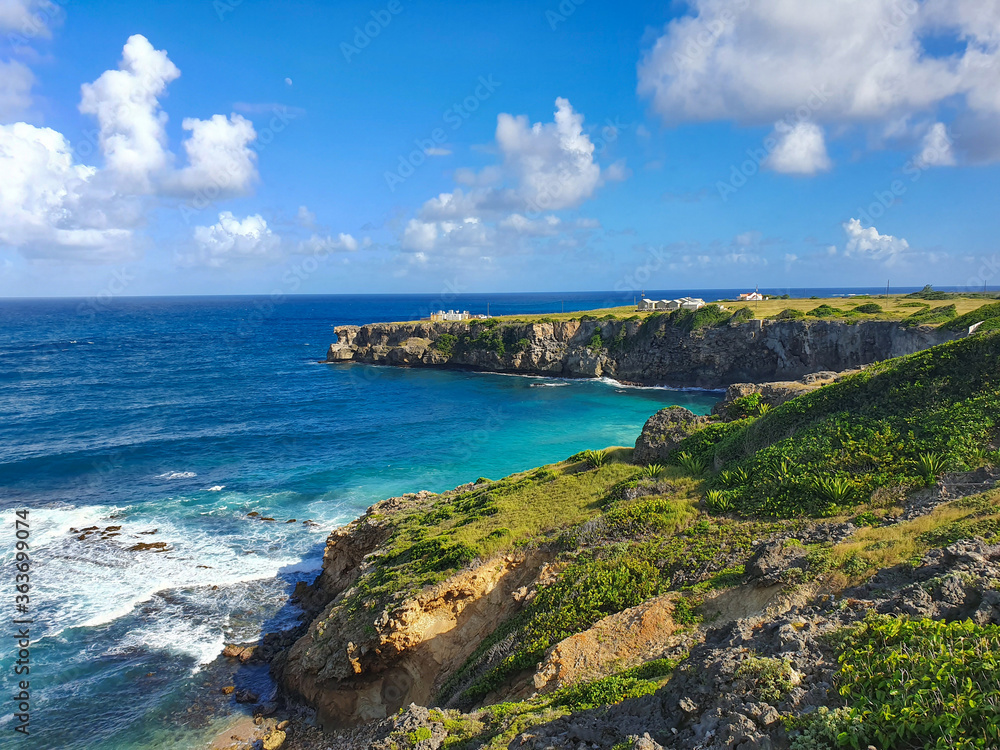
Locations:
(180, 417)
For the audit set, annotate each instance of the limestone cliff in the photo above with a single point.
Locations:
(651, 352)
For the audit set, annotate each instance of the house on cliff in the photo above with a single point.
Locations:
(669, 305)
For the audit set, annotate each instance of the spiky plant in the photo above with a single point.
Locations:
(653, 470)
(930, 466)
(691, 464)
(837, 490)
(595, 459)
(763, 409)
(718, 501)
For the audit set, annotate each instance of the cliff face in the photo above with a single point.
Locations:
(654, 352)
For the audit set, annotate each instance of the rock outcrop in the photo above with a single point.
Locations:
(663, 432)
(653, 352)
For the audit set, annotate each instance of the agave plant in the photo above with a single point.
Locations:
(930, 466)
(838, 490)
(781, 470)
(691, 464)
(718, 502)
(725, 478)
(596, 459)
(742, 475)
(652, 471)
(763, 409)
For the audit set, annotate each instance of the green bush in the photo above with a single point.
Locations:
(770, 679)
(596, 341)
(790, 314)
(985, 313)
(921, 683)
(931, 316)
(825, 311)
(446, 344)
(869, 308)
(708, 316)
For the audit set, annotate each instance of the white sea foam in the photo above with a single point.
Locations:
(176, 475)
(217, 488)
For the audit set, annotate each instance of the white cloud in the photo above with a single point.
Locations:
(221, 162)
(545, 227)
(305, 218)
(851, 61)
(800, 149)
(553, 162)
(869, 243)
(233, 240)
(16, 80)
(28, 18)
(317, 245)
(51, 207)
(126, 104)
(936, 149)
(544, 167)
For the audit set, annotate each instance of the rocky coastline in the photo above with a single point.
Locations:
(650, 352)
(681, 606)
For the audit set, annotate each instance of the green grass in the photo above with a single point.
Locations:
(494, 727)
(831, 448)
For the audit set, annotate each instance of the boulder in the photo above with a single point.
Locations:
(772, 561)
(664, 431)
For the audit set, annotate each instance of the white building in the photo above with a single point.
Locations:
(751, 297)
(684, 303)
(450, 316)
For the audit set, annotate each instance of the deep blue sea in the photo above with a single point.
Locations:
(173, 419)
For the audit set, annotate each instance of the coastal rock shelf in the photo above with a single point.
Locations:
(651, 352)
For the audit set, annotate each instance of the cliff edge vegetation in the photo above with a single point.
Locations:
(817, 571)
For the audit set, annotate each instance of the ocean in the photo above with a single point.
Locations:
(167, 421)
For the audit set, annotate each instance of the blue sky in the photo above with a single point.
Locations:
(250, 147)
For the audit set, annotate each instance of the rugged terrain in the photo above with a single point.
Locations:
(655, 351)
(808, 571)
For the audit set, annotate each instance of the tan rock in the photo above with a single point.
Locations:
(612, 644)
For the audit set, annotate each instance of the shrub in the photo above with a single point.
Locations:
(653, 470)
(837, 490)
(825, 311)
(930, 466)
(718, 501)
(691, 464)
(984, 313)
(446, 344)
(595, 459)
(921, 683)
(931, 316)
(596, 341)
(745, 406)
(790, 314)
(869, 308)
(770, 679)
(522, 345)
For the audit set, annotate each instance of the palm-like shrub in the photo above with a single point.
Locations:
(718, 501)
(930, 466)
(691, 464)
(595, 459)
(653, 470)
(839, 490)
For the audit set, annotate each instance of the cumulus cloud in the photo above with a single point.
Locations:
(50, 206)
(851, 61)
(233, 240)
(319, 245)
(220, 159)
(543, 167)
(800, 149)
(305, 217)
(554, 162)
(867, 242)
(126, 104)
